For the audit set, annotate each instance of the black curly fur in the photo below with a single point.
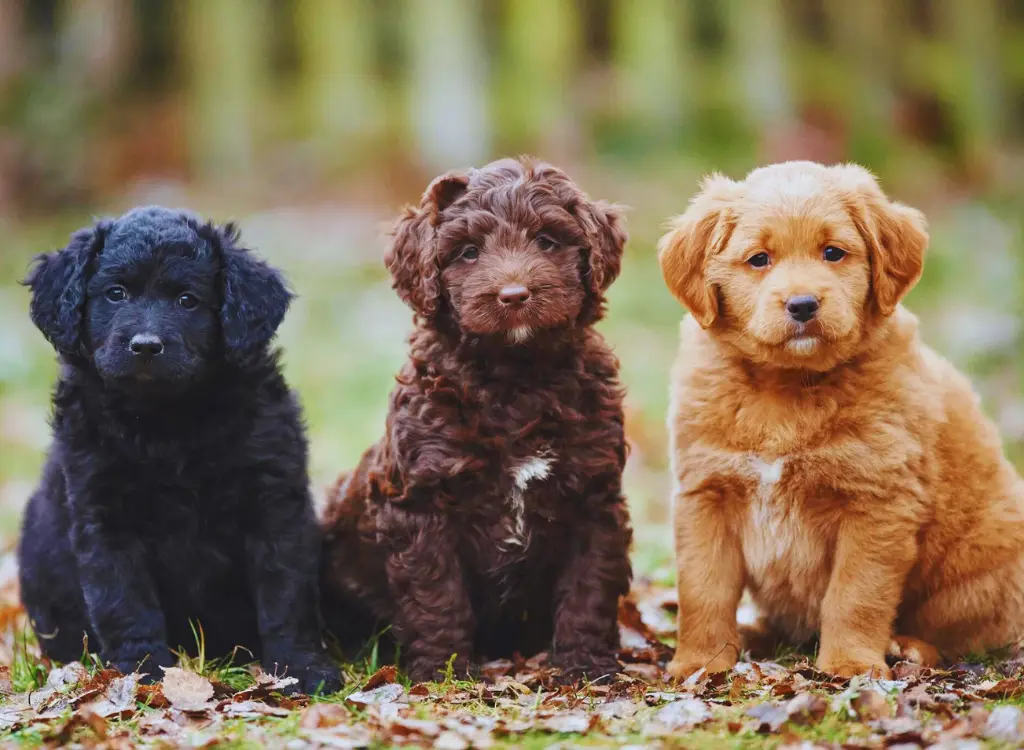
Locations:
(180, 498)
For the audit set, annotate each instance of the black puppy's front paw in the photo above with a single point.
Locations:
(148, 665)
(320, 678)
(315, 673)
(575, 667)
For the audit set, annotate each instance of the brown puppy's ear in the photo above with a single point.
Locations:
(692, 239)
(412, 257)
(896, 236)
(605, 225)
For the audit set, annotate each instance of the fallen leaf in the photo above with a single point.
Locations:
(383, 676)
(682, 714)
(871, 705)
(1005, 724)
(569, 722)
(806, 708)
(96, 723)
(1001, 689)
(647, 672)
(250, 709)
(119, 697)
(321, 715)
(6, 687)
(389, 693)
(769, 717)
(187, 691)
(451, 741)
(70, 674)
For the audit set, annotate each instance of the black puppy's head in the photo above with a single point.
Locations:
(156, 297)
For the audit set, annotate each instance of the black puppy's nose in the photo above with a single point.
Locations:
(514, 294)
(802, 308)
(146, 344)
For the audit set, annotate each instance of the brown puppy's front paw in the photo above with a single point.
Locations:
(432, 669)
(846, 667)
(914, 650)
(686, 663)
(577, 667)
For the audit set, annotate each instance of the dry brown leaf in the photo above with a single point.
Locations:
(94, 722)
(250, 709)
(806, 708)
(871, 705)
(187, 691)
(1005, 724)
(383, 676)
(118, 699)
(389, 693)
(570, 722)
(1000, 689)
(322, 715)
(769, 717)
(682, 714)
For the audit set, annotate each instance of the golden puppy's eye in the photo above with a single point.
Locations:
(545, 242)
(759, 260)
(469, 253)
(833, 254)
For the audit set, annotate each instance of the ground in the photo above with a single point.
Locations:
(343, 340)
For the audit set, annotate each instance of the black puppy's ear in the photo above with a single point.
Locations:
(254, 297)
(58, 284)
(412, 257)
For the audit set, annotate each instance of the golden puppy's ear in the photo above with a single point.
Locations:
(896, 236)
(692, 239)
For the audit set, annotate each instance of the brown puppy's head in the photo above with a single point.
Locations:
(794, 264)
(507, 251)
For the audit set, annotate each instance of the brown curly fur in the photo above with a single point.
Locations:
(431, 534)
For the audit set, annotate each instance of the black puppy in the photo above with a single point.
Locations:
(175, 493)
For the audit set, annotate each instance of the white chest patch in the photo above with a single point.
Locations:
(771, 525)
(531, 470)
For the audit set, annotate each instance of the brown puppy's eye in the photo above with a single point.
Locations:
(834, 254)
(469, 253)
(545, 242)
(188, 301)
(760, 260)
(116, 294)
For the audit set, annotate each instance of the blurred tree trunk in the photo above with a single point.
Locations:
(975, 90)
(540, 47)
(96, 41)
(756, 49)
(226, 62)
(655, 63)
(447, 83)
(12, 52)
(861, 35)
(338, 76)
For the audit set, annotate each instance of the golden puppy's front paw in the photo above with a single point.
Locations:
(914, 650)
(846, 667)
(686, 663)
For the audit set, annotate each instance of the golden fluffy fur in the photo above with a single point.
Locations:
(837, 468)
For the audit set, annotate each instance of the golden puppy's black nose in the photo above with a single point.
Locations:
(514, 294)
(802, 308)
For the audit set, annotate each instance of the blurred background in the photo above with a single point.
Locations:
(312, 121)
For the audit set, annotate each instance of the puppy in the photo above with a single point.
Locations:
(824, 458)
(175, 492)
(490, 517)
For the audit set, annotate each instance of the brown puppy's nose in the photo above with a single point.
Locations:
(803, 307)
(514, 294)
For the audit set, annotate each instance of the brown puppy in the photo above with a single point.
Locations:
(824, 457)
(490, 517)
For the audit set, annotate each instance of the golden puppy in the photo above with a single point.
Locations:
(824, 458)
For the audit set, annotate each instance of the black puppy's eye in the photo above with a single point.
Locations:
(116, 294)
(760, 260)
(545, 242)
(470, 253)
(834, 254)
(188, 301)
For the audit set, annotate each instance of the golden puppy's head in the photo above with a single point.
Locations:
(794, 264)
